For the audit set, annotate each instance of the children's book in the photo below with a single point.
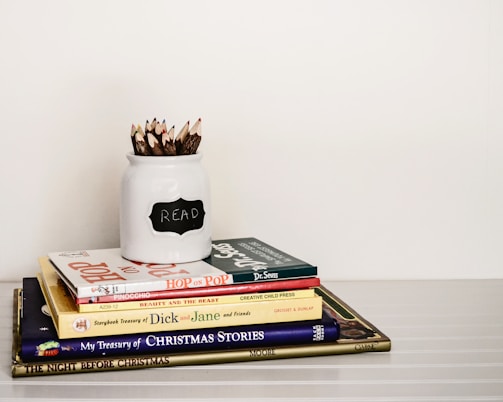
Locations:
(357, 335)
(211, 291)
(91, 273)
(40, 341)
(71, 323)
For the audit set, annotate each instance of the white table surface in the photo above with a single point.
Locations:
(447, 345)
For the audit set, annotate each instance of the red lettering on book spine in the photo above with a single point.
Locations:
(218, 280)
(184, 283)
(95, 273)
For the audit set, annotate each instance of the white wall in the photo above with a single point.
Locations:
(362, 136)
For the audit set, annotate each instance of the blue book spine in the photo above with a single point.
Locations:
(39, 340)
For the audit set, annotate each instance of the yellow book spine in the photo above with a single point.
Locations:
(196, 301)
(77, 325)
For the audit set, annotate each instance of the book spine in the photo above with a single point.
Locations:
(79, 325)
(266, 286)
(154, 286)
(196, 301)
(214, 357)
(249, 336)
(197, 282)
(271, 274)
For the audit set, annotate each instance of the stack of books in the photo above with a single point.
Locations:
(93, 310)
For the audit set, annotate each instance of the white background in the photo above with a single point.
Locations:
(363, 136)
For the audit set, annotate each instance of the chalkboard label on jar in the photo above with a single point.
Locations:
(178, 216)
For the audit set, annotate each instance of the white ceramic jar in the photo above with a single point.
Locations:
(165, 209)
